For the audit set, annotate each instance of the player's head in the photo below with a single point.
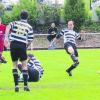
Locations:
(70, 25)
(52, 25)
(24, 15)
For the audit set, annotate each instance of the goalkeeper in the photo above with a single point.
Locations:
(52, 32)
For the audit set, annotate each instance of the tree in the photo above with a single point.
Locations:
(29, 5)
(75, 10)
(98, 12)
(51, 14)
(1, 9)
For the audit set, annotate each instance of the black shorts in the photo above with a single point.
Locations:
(51, 37)
(18, 51)
(69, 44)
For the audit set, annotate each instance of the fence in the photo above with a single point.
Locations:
(89, 40)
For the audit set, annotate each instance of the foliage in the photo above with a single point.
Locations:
(29, 5)
(37, 12)
(75, 10)
(1, 9)
(98, 12)
(52, 14)
(90, 26)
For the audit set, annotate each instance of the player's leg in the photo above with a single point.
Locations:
(23, 58)
(72, 51)
(25, 75)
(1, 50)
(14, 57)
(15, 75)
(20, 78)
(73, 54)
(54, 44)
(50, 39)
(75, 61)
(2, 59)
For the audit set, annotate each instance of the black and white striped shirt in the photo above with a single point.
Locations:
(69, 35)
(21, 31)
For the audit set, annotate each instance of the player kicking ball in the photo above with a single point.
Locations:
(70, 37)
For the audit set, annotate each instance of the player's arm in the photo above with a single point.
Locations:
(30, 37)
(78, 36)
(55, 32)
(7, 32)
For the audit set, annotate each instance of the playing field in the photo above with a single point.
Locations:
(55, 83)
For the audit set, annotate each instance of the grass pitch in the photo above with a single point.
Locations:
(55, 83)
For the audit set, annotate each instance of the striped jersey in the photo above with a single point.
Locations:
(69, 35)
(21, 31)
(35, 64)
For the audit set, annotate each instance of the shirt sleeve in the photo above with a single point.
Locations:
(11, 24)
(60, 34)
(30, 35)
(77, 36)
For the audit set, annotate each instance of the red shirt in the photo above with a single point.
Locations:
(2, 31)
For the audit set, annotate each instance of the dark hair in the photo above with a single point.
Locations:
(24, 14)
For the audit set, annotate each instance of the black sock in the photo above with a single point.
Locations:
(73, 66)
(15, 75)
(70, 68)
(25, 77)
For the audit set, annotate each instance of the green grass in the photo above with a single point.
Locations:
(55, 83)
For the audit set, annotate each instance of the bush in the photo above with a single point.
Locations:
(92, 27)
(98, 12)
(75, 10)
(28, 5)
(51, 14)
(1, 9)
(36, 11)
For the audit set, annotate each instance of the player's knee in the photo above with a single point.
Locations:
(76, 64)
(70, 50)
(15, 64)
(24, 65)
